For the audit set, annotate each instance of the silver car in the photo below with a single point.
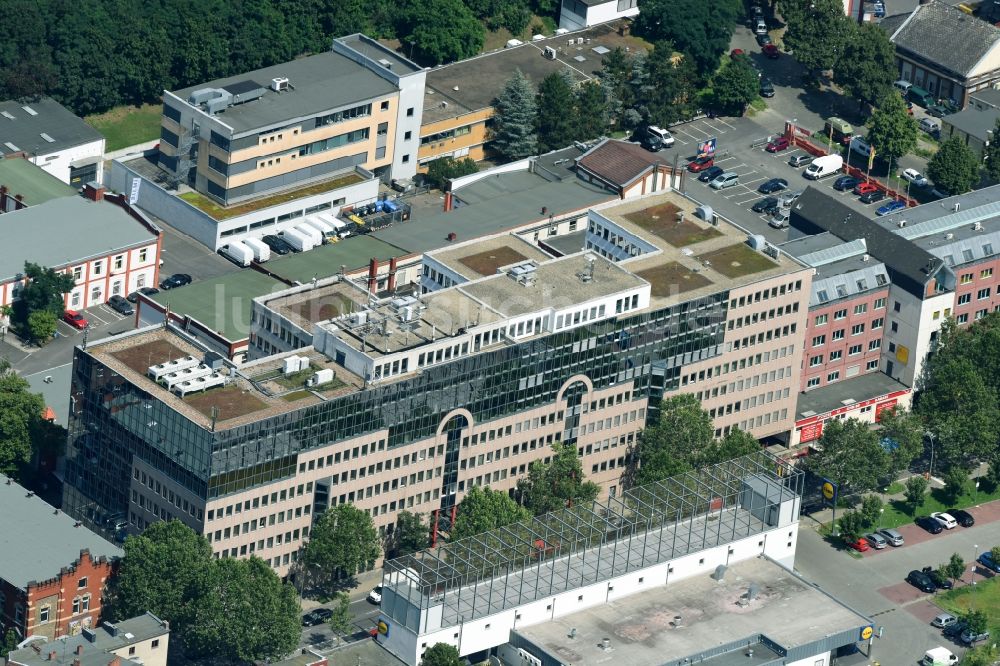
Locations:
(892, 536)
(788, 198)
(876, 541)
(724, 180)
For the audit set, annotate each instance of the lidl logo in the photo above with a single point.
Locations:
(383, 628)
(867, 632)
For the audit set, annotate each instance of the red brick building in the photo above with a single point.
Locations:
(55, 588)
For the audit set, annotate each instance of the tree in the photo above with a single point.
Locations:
(341, 620)
(43, 290)
(514, 119)
(817, 31)
(484, 509)
(409, 536)
(700, 30)
(955, 480)
(849, 454)
(852, 524)
(444, 169)
(736, 85)
(20, 412)
(664, 86)
(555, 119)
(9, 643)
(556, 484)
(680, 435)
(441, 654)
(954, 568)
(591, 112)
(735, 444)
(914, 491)
(342, 542)
(995, 553)
(41, 326)
(865, 71)
(954, 167)
(442, 31)
(871, 510)
(615, 74)
(891, 130)
(904, 432)
(977, 621)
(991, 154)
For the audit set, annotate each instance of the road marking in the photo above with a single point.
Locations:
(47, 371)
(732, 127)
(93, 315)
(690, 136)
(72, 331)
(713, 127)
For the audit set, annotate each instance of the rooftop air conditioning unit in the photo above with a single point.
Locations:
(978, 226)
(279, 84)
(549, 53)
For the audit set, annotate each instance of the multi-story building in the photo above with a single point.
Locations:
(407, 402)
(54, 571)
(138, 641)
(108, 246)
(50, 136)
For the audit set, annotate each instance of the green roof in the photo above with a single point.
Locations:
(222, 304)
(37, 186)
(326, 260)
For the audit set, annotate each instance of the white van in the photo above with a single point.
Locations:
(939, 656)
(663, 135)
(312, 232)
(298, 240)
(902, 86)
(261, 252)
(823, 167)
(238, 253)
(320, 225)
(930, 125)
(860, 146)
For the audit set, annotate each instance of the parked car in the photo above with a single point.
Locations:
(936, 111)
(800, 160)
(986, 559)
(929, 125)
(120, 305)
(860, 146)
(736, 53)
(653, 138)
(876, 541)
(788, 198)
(940, 582)
(145, 291)
(75, 319)
(760, 26)
(773, 185)
(777, 145)
(694, 166)
(890, 207)
(929, 524)
(865, 187)
(771, 51)
(969, 638)
(860, 545)
(942, 620)
(779, 219)
(763, 40)
(914, 177)
(277, 244)
(845, 183)
(921, 581)
(945, 519)
(175, 280)
(892, 536)
(954, 630)
(766, 205)
(964, 518)
(316, 616)
(375, 596)
(724, 180)
(710, 173)
(766, 88)
(872, 197)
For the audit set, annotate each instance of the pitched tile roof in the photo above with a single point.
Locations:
(619, 162)
(935, 31)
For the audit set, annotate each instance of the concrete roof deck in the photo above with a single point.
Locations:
(483, 258)
(857, 389)
(787, 610)
(320, 304)
(37, 186)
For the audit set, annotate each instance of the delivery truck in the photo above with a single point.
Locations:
(312, 232)
(824, 166)
(298, 240)
(238, 253)
(261, 252)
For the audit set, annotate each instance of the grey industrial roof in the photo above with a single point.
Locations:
(787, 610)
(106, 639)
(377, 52)
(842, 269)
(496, 203)
(24, 129)
(32, 182)
(946, 36)
(55, 541)
(973, 121)
(565, 244)
(839, 394)
(989, 97)
(66, 231)
(321, 82)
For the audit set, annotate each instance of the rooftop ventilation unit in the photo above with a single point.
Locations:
(324, 376)
(901, 224)
(199, 384)
(47, 138)
(293, 364)
(161, 369)
(187, 374)
(549, 53)
(978, 226)
(279, 84)
(511, 43)
(949, 236)
(385, 63)
(211, 100)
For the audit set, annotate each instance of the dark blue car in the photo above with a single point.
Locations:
(986, 559)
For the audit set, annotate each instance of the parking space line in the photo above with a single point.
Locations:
(713, 127)
(93, 315)
(732, 127)
(61, 325)
(107, 309)
(690, 136)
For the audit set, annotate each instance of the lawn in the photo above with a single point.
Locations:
(229, 401)
(672, 279)
(219, 212)
(663, 221)
(125, 126)
(737, 261)
(984, 595)
(897, 512)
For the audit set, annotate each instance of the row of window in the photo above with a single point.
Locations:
(81, 604)
(167, 494)
(859, 309)
(857, 329)
(880, 280)
(264, 521)
(873, 345)
(835, 375)
(966, 278)
(761, 338)
(751, 402)
(750, 382)
(447, 134)
(763, 419)
(585, 315)
(749, 320)
(117, 264)
(765, 294)
(734, 366)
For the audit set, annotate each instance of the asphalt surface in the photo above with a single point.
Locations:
(183, 254)
(321, 638)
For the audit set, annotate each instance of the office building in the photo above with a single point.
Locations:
(137, 641)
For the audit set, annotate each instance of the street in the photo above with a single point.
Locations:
(322, 639)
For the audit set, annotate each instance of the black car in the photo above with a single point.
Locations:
(766, 88)
(940, 582)
(845, 183)
(953, 631)
(772, 186)
(145, 291)
(767, 205)
(872, 197)
(651, 143)
(929, 524)
(120, 305)
(278, 245)
(763, 39)
(175, 280)
(963, 518)
(710, 173)
(316, 616)
(921, 581)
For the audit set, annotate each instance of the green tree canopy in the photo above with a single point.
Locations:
(891, 130)
(871, 510)
(591, 114)
(483, 509)
(700, 30)
(441, 654)
(343, 541)
(852, 525)
(849, 454)
(43, 291)
(616, 75)
(442, 31)
(664, 87)
(906, 432)
(444, 169)
(514, 119)
(955, 567)
(736, 85)
(817, 31)
(954, 166)
(556, 117)
(341, 622)
(866, 69)
(20, 415)
(679, 437)
(915, 490)
(734, 444)
(41, 326)
(991, 154)
(557, 484)
(411, 534)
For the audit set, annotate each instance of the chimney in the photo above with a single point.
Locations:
(447, 202)
(392, 274)
(19, 202)
(115, 662)
(372, 275)
(93, 191)
(52, 655)
(79, 649)
(3, 198)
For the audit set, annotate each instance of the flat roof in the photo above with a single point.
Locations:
(844, 393)
(320, 82)
(565, 244)
(66, 231)
(496, 203)
(974, 122)
(37, 186)
(55, 539)
(107, 638)
(787, 610)
(377, 52)
(483, 258)
(222, 304)
(474, 83)
(29, 126)
(311, 306)
(353, 252)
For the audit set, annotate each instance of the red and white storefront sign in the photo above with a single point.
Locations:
(810, 428)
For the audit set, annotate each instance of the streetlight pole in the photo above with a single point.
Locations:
(931, 471)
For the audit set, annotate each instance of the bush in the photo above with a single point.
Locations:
(443, 169)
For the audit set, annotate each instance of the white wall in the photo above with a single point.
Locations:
(822, 659)
(914, 325)
(96, 285)
(608, 12)
(597, 223)
(58, 163)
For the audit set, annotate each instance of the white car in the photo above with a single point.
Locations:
(664, 135)
(945, 519)
(860, 146)
(915, 177)
(375, 596)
